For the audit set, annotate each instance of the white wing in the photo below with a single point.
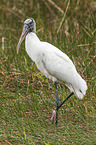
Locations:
(58, 64)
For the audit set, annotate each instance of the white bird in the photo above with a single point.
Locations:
(53, 63)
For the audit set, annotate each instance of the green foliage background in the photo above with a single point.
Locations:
(26, 96)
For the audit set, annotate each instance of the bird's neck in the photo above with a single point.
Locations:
(32, 44)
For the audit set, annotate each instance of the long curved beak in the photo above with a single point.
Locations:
(24, 33)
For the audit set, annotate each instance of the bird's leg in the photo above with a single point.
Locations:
(66, 99)
(57, 102)
(55, 112)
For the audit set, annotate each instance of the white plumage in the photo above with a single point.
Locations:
(55, 64)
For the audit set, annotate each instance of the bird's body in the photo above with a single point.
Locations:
(54, 64)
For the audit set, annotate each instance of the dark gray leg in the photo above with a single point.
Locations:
(57, 102)
(55, 112)
(65, 100)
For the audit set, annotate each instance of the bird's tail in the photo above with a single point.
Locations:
(79, 87)
(80, 91)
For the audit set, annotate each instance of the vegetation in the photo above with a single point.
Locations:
(27, 98)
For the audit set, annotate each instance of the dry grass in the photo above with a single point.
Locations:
(27, 97)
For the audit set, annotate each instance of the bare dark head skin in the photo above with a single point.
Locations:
(29, 26)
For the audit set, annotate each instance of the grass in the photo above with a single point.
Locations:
(27, 98)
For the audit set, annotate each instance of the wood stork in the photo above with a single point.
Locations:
(53, 63)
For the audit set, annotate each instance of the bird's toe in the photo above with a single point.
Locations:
(53, 118)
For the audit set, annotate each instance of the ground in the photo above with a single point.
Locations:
(27, 97)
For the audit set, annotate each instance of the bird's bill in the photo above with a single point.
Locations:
(24, 33)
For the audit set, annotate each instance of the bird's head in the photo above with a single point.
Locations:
(29, 26)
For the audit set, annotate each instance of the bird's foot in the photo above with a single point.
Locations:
(53, 118)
